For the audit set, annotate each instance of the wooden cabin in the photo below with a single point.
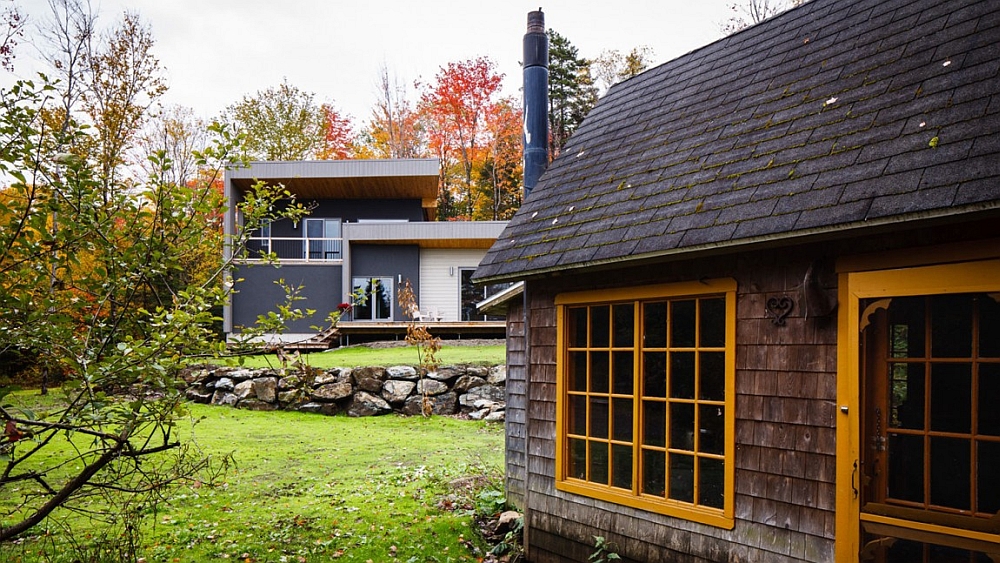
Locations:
(760, 311)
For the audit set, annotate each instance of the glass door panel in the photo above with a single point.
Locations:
(376, 303)
(930, 389)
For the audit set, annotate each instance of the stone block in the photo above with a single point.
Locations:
(332, 391)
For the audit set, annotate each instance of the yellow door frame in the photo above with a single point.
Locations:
(861, 278)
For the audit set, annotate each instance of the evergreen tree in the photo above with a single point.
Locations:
(572, 93)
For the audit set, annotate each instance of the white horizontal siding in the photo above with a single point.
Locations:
(440, 282)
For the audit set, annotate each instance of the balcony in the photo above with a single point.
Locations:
(296, 249)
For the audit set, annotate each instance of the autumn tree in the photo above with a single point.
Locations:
(750, 12)
(454, 109)
(337, 132)
(169, 150)
(286, 123)
(116, 452)
(180, 136)
(613, 66)
(572, 93)
(394, 129)
(11, 30)
(123, 81)
(499, 175)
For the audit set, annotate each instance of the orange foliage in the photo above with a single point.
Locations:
(456, 109)
(338, 135)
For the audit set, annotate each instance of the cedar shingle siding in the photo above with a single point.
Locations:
(837, 129)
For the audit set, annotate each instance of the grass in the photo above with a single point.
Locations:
(354, 356)
(313, 488)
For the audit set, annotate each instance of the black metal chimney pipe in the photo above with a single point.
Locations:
(536, 100)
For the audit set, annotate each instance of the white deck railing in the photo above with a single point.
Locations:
(297, 248)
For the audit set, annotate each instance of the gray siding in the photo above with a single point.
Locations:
(396, 167)
(351, 210)
(371, 209)
(258, 293)
(398, 262)
(517, 405)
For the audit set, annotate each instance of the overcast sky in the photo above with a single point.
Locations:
(217, 51)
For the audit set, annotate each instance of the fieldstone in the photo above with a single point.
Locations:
(224, 399)
(446, 373)
(328, 376)
(370, 385)
(444, 404)
(292, 396)
(488, 392)
(198, 395)
(366, 404)
(478, 371)
(497, 375)
(264, 388)
(224, 384)
(195, 375)
(506, 520)
(408, 373)
(256, 405)
(431, 387)
(440, 404)
(367, 379)
(485, 408)
(332, 391)
(467, 382)
(243, 389)
(396, 391)
(329, 409)
(240, 374)
(372, 372)
(293, 381)
(497, 416)
(488, 404)
(413, 405)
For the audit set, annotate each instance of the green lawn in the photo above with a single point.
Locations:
(354, 356)
(315, 488)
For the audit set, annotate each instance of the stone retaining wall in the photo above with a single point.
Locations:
(369, 391)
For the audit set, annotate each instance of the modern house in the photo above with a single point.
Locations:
(759, 317)
(371, 230)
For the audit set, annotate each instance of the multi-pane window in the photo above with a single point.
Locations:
(932, 425)
(646, 399)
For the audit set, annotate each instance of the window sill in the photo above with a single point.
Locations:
(719, 518)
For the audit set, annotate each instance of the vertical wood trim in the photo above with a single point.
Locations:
(729, 473)
(848, 508)
(560, 472)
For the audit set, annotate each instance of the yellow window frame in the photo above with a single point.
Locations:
(726, 288)
(973, 276)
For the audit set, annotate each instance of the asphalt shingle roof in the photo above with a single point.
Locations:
(834, 115)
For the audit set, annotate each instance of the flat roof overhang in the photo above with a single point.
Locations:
(429, 234)
(415, 178)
